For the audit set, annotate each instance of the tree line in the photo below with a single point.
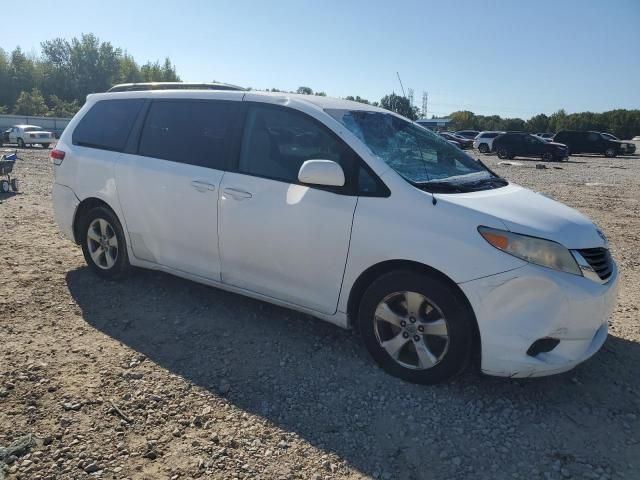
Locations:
(622, 123)
(56, 82)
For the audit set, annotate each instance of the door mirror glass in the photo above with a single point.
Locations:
(321, 172)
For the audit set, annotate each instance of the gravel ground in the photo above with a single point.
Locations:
(156, 377)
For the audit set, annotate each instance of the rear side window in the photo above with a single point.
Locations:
(278, 141)
(192, 132)
(107, 124)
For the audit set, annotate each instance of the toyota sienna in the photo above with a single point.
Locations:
(341, 210)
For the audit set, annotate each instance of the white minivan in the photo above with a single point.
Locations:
(341, 210)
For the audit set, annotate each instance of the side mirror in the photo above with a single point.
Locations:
(321, 172)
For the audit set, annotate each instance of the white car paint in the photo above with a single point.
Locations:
(487, 138)
(304, 248)
(30, 135)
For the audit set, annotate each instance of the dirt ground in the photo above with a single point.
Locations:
(155, 377)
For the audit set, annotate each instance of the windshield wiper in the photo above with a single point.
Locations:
(441, 187)
(493, 182)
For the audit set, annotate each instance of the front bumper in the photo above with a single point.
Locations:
(516, 308)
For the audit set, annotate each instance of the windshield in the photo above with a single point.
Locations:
(419, 155)
(31, 129)
(609, 136)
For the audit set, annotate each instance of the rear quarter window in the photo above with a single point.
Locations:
(107, 124)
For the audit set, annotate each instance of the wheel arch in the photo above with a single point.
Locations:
(83, 208)
(366, 278)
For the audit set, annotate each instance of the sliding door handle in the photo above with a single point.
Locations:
(237, 194)
(202, 185)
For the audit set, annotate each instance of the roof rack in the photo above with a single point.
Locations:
(134, 87)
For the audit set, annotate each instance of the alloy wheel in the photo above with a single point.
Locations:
(102, 243)
(412, 330)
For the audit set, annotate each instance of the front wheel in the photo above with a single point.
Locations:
(4, 186)
(483, 148)
(547, 156)
(14, 184)
(20, 143)
(45, 145)
(103, 243)
(416, 327)
(610, 152)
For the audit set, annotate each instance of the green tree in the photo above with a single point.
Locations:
(30, 103)
(358, 98)
(558, 121)
(156, 72)
(400, 105)
(60, 108)
(538, 123)
(463, 120)
(304, 91)
(129, 70)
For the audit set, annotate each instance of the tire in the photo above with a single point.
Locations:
(45, 145)
(106, 257)
(21, 143)
(483, 148)
(4, 186)
(503, 153)
(444, 353)
(610, 152)
(14, 184)
(547, 157)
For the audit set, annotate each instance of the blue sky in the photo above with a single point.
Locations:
(511, 58)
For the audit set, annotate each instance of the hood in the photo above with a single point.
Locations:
(530, 213)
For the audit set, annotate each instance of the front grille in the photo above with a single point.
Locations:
(600, 260)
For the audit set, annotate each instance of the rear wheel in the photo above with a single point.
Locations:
(45, 145)
(416, 327)
(103, 243)
(14, 184)
(20, 143)
(483, 148)
(610, 152)
(503, 153)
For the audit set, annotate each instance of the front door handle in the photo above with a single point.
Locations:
(237, 194)
(202, 185)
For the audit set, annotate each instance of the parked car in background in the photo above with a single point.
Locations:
(547, 137)
(471, 134)
(463, 142)
(520, 144)
(484, 141)
(23, 135)
(592, 142)
(341, 210)
(629, 146)
(544, 135)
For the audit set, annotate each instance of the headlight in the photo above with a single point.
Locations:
(532, 249)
